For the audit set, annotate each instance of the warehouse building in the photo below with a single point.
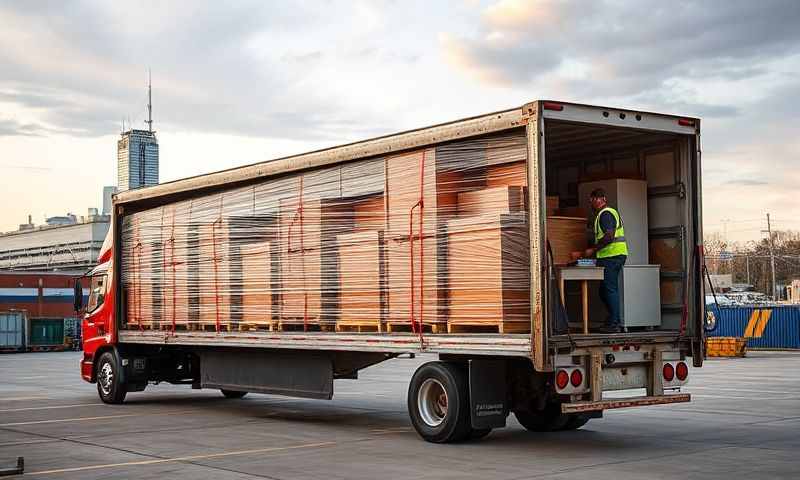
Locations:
(65, 244)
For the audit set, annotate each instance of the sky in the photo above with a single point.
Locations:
(241, 82)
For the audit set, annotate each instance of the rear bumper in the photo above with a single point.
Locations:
(579, 407)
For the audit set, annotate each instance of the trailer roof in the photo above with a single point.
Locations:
(382, 145)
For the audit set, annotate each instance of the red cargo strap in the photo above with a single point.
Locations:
(163, 268)
(137, 292)
(418, 326)
(215, 259)
(173, 263)
(299, 215)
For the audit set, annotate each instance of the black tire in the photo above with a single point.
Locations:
(478, 433)
(109, 385)
(576, 421)
(232, 393)
(438, 402)
(548, 420)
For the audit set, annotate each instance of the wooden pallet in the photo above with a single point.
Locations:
(396, 327)
(258, 326)
(311, 325)
(365, 327)
(501, 328)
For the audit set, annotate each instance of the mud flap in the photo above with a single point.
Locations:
(487, 393)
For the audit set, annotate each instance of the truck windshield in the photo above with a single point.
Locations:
(97, 293)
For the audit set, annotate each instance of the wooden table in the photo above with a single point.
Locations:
(584, 275)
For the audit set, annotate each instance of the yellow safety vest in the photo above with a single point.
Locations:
(618, 246)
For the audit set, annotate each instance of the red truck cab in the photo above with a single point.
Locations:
(98, 326)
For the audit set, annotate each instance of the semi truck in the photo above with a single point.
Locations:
(456, 240)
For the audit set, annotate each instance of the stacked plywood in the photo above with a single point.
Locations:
(307, 260)
(507, 174)
(496, 200)
(566, 235)
(412, 177)
(257, 290)
(362, 276)
(213, 280)
(175, 294)
(489, 276)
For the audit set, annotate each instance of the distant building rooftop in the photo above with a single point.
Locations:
(73, 246)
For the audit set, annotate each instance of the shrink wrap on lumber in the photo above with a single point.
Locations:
(507, 175)
(214, 281)
(257, 269)
(362, 280)
(488, 266)
(414, 284)
(497, 201)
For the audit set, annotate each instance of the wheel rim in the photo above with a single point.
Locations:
(105, 378)
(432, 402)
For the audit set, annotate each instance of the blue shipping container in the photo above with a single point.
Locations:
(763, 327)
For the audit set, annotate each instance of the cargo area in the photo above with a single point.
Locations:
(432, 240)
(649, 178)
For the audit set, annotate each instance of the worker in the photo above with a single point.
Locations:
(611, 251)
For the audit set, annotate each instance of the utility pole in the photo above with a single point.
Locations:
(747, 267)
(772, 258)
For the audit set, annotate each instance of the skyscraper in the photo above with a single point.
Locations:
(137, 153)
(137, 160)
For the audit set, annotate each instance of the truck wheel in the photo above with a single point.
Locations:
(548, 420)
(232, 393)
(109, 387)
(438, 402)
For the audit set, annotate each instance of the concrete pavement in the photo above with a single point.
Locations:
(744, 422)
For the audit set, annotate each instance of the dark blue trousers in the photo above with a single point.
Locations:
(609, 291)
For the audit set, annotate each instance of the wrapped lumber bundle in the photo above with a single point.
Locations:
(362, 276)
(489, 275)
(257, 292)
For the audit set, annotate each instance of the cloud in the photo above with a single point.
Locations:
(10, 127)
(82, 67)
(626, 48)
(746, 182)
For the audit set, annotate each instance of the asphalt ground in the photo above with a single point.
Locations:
(743, 422)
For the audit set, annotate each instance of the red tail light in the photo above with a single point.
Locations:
(686, 122)
(576, 378)
(553, 106)
(681, 371)
(562, 379)
(669, 372)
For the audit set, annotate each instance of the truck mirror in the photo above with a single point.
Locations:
(78, 295)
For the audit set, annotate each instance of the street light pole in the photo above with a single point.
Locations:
(772, 259)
